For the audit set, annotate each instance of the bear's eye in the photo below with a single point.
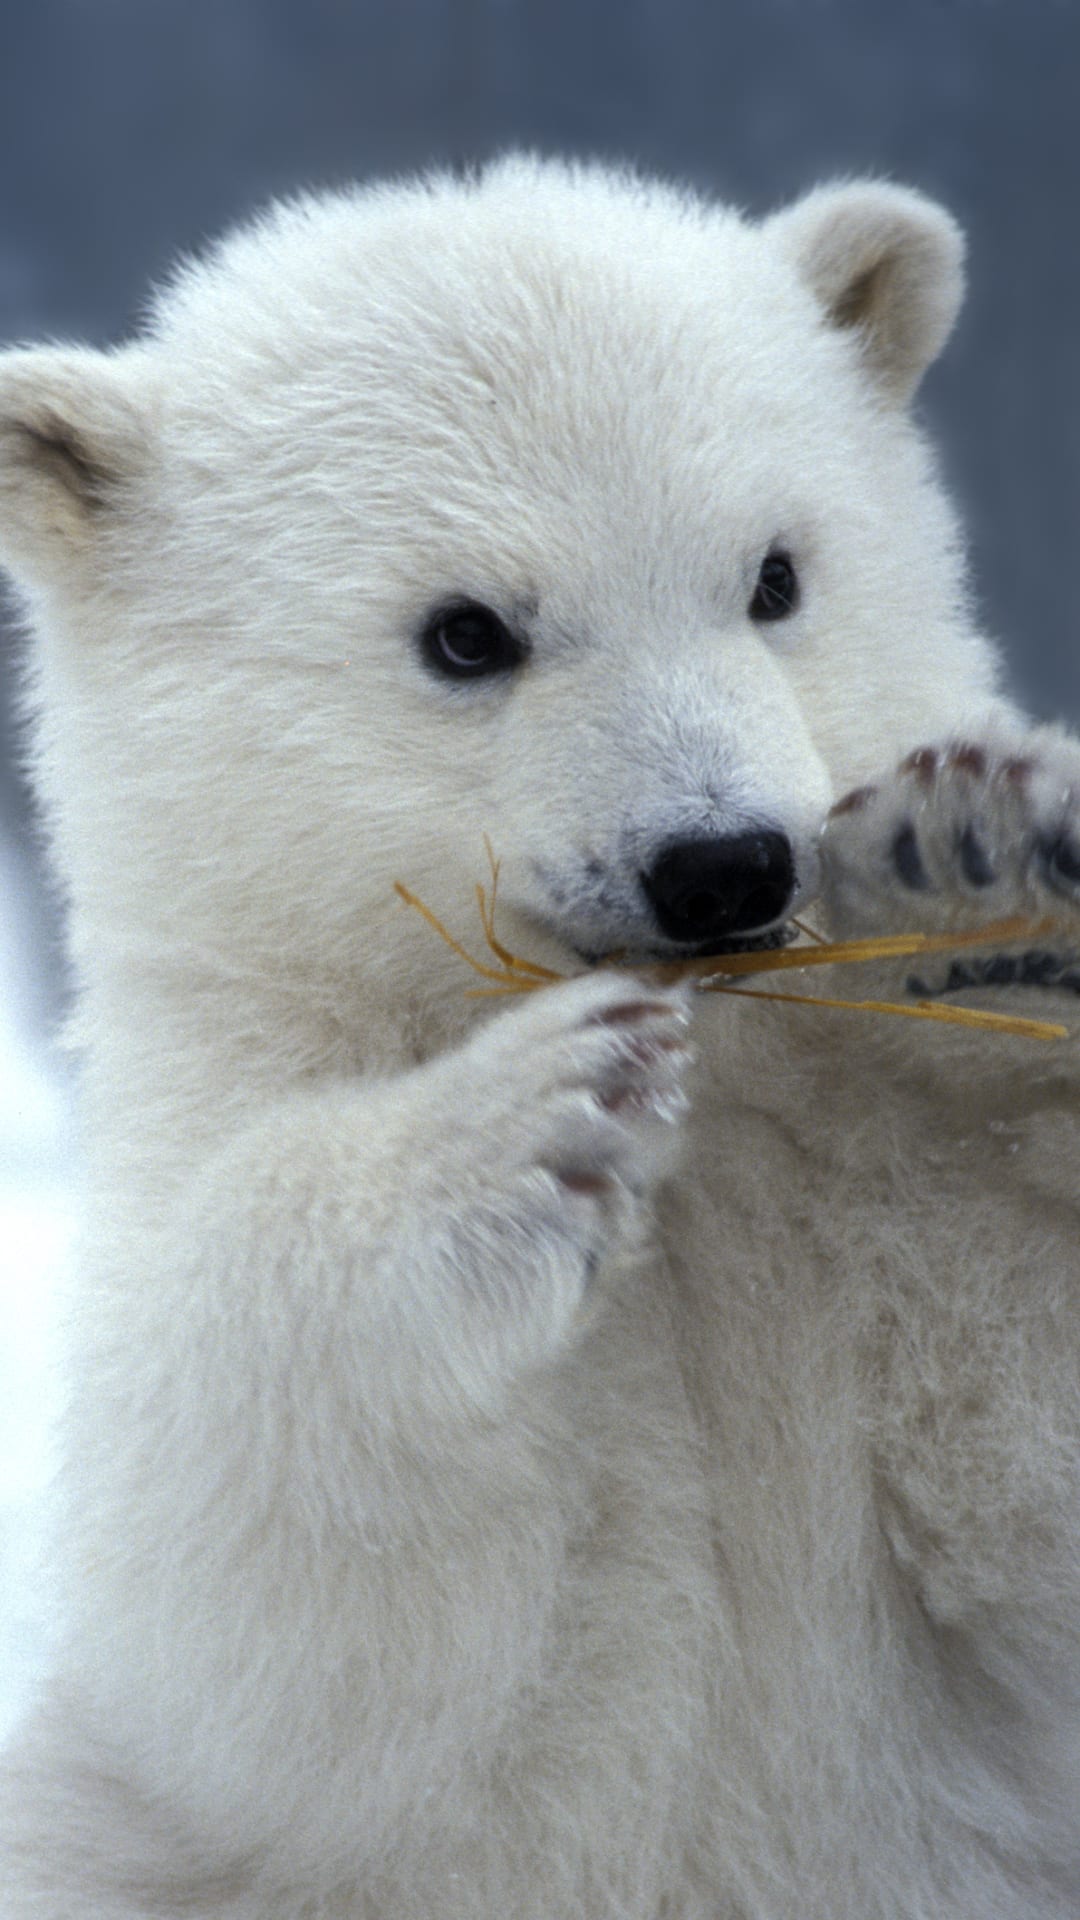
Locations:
(777, 591)
(467, 640)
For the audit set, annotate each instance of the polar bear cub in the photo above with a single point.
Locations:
(611, 1452)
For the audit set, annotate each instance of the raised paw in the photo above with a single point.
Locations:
(959, 834)
(565, 1112)
(595, 1072)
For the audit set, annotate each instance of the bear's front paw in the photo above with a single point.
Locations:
(565, 1109)
(957, 835)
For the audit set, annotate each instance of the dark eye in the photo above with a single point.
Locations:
(777, 591)
(467, 641)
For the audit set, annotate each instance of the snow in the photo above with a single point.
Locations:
(36, 1227)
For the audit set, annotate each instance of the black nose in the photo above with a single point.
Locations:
(709, 889)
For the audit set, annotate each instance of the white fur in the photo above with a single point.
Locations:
(492, 1491)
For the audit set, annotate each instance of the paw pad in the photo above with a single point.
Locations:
(908, 860)
(974, 861)
(1059, 857)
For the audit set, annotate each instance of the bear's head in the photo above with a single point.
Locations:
(552, 506)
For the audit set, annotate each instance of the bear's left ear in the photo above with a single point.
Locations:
(885, 262)
(74, 440)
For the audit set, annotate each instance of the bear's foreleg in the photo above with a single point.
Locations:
(320, 1531)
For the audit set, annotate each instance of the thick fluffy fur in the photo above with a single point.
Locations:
(519, 1464)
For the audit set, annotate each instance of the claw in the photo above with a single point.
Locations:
(923, 763)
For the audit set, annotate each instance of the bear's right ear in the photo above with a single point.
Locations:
(884, 263)
(73, 439)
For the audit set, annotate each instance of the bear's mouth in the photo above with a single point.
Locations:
(779, 936)
(764, 942)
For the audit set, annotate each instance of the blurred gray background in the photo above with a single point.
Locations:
(134, 129)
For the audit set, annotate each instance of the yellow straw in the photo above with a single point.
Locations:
(714, 972)
(922, 1010)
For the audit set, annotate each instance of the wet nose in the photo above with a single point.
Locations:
(710, 889)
